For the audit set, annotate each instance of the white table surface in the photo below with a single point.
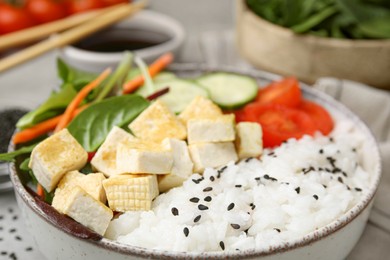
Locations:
(30, 84)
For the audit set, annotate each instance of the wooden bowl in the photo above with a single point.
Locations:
(277, 49)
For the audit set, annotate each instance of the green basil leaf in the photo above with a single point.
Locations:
(53, 106)
(9, 157)
(92, 125)
(314, 20)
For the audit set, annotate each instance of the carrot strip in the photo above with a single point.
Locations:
(40, 191)
(67, 116)
(41, 128)
(154, 68)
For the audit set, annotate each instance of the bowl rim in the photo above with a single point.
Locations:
(306, 240)
(326, 41)
(177, 36)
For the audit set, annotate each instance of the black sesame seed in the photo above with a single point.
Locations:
(277, 229)
(1, 217)
(197, 218)
(1, 239)
(358, 189)
(344, 174)
(12, 230)
(238, 186)
(195, 181)
(321, 151)
(175, 211)
(14, 217)
(186, 231)
(354, 150)
(235, 226)
(340, 179)
(222, 245)
(4, 253)
(13, 256)
(208, 198)
(208, 189)
(212, 178)
(194, 200)
(315, 197)
(348, 188)
(253, 207)
(230, 207)
(298, 190)
(18, 238)
(331, 139)
(222, 169)
(202, 207)
(10, 210)
(248, 159)
(273, 179)
(257, 178)
(29, 249)
(266, 176)
(324, 186)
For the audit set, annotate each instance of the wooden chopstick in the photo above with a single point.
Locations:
(39, 32)
(72, 35)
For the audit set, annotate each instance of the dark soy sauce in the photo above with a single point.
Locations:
(120, 39)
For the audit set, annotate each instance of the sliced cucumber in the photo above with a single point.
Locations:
(229, 90)
(181, 92)
(164, 76)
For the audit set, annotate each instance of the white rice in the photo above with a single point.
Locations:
(293, 190)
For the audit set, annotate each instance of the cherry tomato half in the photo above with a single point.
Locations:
(78, 6)
(45, 11)
(324, 122)
(279, 123)
(284, 92)
(14, 18)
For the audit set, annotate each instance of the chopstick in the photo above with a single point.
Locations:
(41, 31)
(74, 34)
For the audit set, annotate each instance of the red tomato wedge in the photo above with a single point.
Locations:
(324, 122)
(285, 92)
(279, 123)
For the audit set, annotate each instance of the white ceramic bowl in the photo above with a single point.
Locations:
(146, 21)
(334, 241)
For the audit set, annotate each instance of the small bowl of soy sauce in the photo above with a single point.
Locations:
(148, 34)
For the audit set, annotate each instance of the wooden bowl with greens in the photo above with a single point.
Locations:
(311, 39)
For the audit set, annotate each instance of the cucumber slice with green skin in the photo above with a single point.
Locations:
(181, 93)
(229, 90)
(164, 76)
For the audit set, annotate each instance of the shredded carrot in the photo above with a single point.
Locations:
(67, 116)
(41, 128)
(40, 191)
(154, 68)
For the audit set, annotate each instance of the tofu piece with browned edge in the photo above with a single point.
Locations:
(105, 158)
(82, 207)
(200, 107)
(211, 130)
(156, 123)
(91, 183)
(212, 155)
(55, 156)
(249, 142)
(181, 168)
(138, 158)
(131, 192)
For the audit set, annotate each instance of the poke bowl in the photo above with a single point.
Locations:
(339, 200)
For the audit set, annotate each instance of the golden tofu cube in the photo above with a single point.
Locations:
(205, 155)
(55, 156)
(131, 192)
(206, 130)
(249, 142)
(105, 158)
(200, 107)
(79, 205)
(156, 123)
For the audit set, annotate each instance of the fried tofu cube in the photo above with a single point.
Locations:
(205, 130)
(156, 123)
(91, 183)
(142, 158)
(55, 156)
(131, 192)
(249, 141)
(212, 155)
(105, 158)
(200, 107)
(82, 207)
(181, 168)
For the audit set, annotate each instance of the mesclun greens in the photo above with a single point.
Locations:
(92, 125)
(355, 19)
